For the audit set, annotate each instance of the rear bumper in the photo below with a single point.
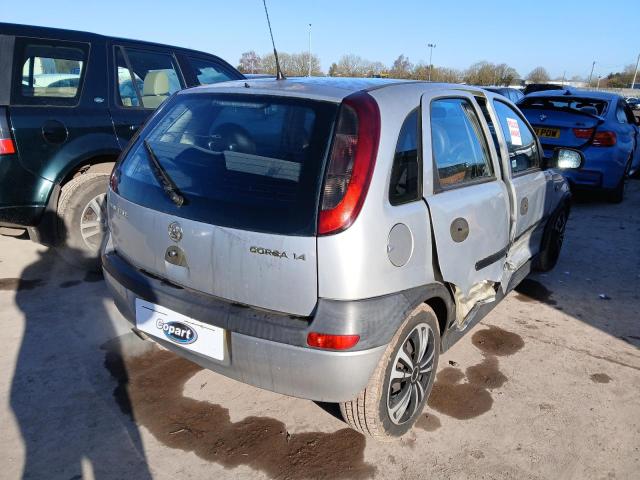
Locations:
(265, 348)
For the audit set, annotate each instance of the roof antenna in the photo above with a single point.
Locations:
(279, 74)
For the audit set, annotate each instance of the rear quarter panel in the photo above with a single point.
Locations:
(354, 264)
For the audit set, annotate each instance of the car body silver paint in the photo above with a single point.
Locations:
(219, 260)
(353, 264)
(326, 376)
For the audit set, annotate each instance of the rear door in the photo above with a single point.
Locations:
(249, 168)
(142, 78)
(522, 166)
(467, 199)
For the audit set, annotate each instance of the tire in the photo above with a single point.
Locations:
(369, 413)
(82, 220)
(552, 240)
(617, 194)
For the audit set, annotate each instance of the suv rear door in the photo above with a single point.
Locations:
(58, 111)
(142, 77)
(467, 199)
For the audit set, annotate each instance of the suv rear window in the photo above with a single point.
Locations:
(49, 73)
(242, 161)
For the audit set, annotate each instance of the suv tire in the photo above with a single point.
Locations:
(371, 412)
(82, 220)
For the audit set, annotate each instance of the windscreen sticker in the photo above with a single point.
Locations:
(514, 131)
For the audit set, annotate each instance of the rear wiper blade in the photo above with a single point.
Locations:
(168, 185)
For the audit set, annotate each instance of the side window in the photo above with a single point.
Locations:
(460, 149)
(405, 173)
(50, 73)
(145, 79)
(521, 141)
(621, 114)
(207, 71)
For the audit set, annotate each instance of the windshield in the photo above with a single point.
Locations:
(242, 161)
(568, 104)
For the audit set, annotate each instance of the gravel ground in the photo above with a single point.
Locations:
(545, 387)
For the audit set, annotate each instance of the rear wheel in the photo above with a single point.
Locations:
(82, 220)
(552, 240)
(400, 385)
(617, 194)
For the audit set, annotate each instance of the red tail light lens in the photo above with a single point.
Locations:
(114, 180)
(333, 342)
(353, 156)
(604, 139)
(7, 147)
(583, 133)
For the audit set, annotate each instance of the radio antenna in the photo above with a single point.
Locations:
(279, 74)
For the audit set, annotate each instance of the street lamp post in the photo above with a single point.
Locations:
(309, 58)
(431, 47)
(593, 65)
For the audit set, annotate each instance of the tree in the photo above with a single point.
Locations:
(481, 73)
(401, 68)
(620, 79)
(250, 62)
(538, 75)
(351, 65)
(505, 75)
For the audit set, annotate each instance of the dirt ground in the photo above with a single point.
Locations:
(545, 387)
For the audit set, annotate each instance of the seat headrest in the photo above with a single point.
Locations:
(589, 109)
(156, 83)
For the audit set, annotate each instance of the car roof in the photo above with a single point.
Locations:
(319, 88)
(575, 93)
(16, 29)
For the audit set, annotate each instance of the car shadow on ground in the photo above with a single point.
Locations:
(597, 275)
(61, 402)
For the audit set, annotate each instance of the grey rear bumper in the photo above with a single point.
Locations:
(320, 375)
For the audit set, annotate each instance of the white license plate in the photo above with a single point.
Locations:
(160, 322)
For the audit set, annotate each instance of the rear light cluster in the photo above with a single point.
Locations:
(600, 139)
(351, 164)
(332, 342)
(7, 147)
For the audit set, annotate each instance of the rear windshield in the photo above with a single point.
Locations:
(242, 161)
(568, 104)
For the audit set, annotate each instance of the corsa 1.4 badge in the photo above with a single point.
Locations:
(177, 332)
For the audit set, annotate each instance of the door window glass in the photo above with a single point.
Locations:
(459, 146)
(405, 173)
(521, 141)
(51, 71)
(620, 113)
(155, 76)
(208, 71)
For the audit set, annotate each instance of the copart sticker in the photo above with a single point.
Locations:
(514, 131)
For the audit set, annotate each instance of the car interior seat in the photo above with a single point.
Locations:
(155, 89)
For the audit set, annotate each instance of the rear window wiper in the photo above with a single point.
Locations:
(168, 185)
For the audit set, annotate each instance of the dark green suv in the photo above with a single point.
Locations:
(69, 104)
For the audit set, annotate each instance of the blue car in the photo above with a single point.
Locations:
(600, 125)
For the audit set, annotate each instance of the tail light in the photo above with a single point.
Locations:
(333, 342)
(583, 133)
(7, 147)
(114, 180)
(351, 164)
(604, 139)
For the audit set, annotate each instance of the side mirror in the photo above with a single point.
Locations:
(567, 158)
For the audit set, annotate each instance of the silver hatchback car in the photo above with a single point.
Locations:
(328, 238)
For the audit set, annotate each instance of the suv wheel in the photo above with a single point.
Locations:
(400, 385)
(82, 220)
(617, 194)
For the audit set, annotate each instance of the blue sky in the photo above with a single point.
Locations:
(560, 35)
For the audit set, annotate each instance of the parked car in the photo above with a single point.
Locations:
(540, 87)
(512, 94)
(328, 238)
(68, 106)
(633, 102)
(600, 125)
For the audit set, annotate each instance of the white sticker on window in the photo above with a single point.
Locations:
(514, 131)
